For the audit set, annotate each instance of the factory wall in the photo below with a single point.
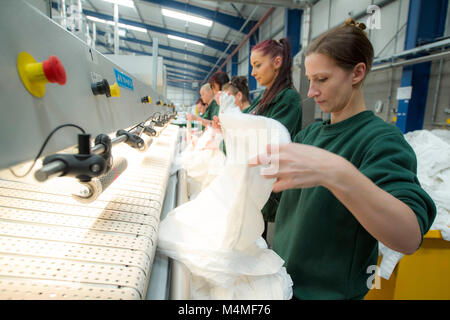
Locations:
(273, 27)
(381, 86)
(182, 97)
(440, 102)
(243, 62)
(42, 5)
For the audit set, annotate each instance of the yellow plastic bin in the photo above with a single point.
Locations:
(424, 275)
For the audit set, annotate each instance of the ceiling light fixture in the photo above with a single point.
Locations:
(186, 17)
(184, 40)
(125, 3)
(122, 25)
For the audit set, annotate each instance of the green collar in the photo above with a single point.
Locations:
(274, 100)
(340, 126)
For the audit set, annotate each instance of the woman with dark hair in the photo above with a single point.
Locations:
(352, 180)
(217, 80)
(272, 68)
(201, 107)
(238, 87)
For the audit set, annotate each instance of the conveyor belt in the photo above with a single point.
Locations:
(53, 247)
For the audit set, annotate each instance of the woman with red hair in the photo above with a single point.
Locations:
(271, 62)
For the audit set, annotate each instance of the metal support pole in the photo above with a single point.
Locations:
(293, 23)
(155, 45)
(436, 91)
(63, 14)
(116, 28)
(94, 35)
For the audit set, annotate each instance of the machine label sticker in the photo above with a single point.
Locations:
(123, 80)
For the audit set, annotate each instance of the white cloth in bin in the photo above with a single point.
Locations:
(433, 171)
(432, 149)
(217, 236)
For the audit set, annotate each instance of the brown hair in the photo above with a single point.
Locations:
(283, 80)
(220, 78)
(239, 84)
(346, 44)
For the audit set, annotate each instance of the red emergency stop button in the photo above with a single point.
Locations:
(35, 75)
(54, 70)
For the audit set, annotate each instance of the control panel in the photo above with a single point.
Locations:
(50, 78)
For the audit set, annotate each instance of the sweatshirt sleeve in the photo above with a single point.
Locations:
(391, 164)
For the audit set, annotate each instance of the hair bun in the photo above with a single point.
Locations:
(351, 22)
(239, 81)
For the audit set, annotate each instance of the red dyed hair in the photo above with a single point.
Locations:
(283, 80)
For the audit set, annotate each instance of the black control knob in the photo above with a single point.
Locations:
(101, 87)
(146, 99)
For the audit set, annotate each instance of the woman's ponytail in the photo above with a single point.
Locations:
(283, 80)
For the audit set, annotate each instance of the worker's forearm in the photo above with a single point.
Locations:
(385, 217)
(200, 119)
(196, 118)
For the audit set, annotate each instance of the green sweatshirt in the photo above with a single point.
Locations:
(326, 250)
(211, 111)
(286, 108)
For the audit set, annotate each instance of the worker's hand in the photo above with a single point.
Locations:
(216, 123)
(206, 123)
(189, 117)
(297, 165)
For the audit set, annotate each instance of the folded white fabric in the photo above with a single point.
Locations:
(218, 234)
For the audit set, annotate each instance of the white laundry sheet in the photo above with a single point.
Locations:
(432, 149)
(203, 161)
(217, 236)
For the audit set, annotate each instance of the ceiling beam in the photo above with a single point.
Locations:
(180, 85)
(171, 68)
(187, 62)
(208, 58)
(218, 45)
(177, 78)
(219, 17)
(197, 65)
(180, 74)
(293, 4)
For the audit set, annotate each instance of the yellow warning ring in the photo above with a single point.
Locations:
(31, 74)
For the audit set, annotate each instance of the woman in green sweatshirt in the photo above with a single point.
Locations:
(271, 62)
(349, 182)
(212, 109)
